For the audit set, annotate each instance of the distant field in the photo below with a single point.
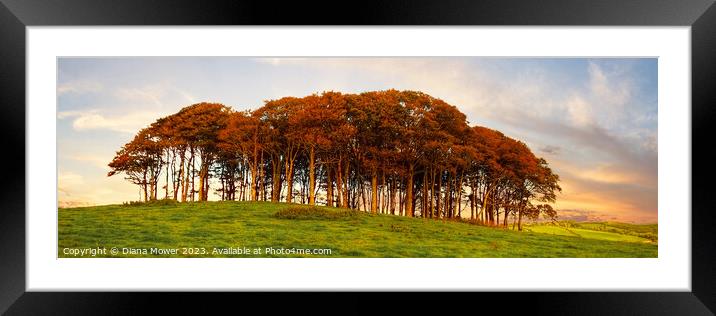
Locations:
(198, 229)
(586, 233)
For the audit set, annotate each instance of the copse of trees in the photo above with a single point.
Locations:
(399, 152)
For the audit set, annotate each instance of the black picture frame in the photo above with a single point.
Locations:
(15, 15)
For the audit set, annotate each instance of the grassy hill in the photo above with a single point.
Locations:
(231, 228)
(600, 230)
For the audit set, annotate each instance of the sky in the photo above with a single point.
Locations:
(593, 119)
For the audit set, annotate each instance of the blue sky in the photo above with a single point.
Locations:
(594, 120)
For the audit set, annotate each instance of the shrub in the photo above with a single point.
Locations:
(162, 202)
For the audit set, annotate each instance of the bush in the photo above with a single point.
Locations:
(312, 212)
(162, 202)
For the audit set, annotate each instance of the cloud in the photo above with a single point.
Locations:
(79, 87)
(579, 215)
(612, 88)
(580, 112)
(155, 94)
(186, 95)
(143, 95)
(125, 123)
(618, 199)
(66, 181)
(74, 189)
(125, 108)
(277, 61)
(66, 114)
(97, 161)
(554, 150)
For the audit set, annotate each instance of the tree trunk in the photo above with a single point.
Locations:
(393, 190)
(431, 193)
(437, 196)
(207, 184)
(401, 200)
(166, 189)
(507, 213)
(180, 179)
(144, 185)
(362, 194)
(458, 187)
(275, 178)
(425, 206)
(519, 222)
(254, 181)
(201, 182)
(224, 189)
(289, 181)
(254, 170)
(339, 183)
(151, 184)
(448, 195)
(312, 176)
(346, 191)
(260, 181)
(384, 195)
(193, 175)
(246, 184)
(473, 198)
(409, 191)
(329, 187)
(204, 179)
(485, 200)
(374, 191)
(185, 170)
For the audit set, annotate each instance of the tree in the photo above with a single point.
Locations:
(203, 121)
(241, 139)
(141, 161)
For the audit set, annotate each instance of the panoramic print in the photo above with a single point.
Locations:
(370, 157)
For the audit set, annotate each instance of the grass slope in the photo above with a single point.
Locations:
(584, 233)
(348, 234)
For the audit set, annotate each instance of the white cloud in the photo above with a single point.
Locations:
(612, 87)
(77, 190)
(152, 94)
(580, 112)
(612, 92)
(186, 95)
(124, 123)
(162, 96)
(67, 114)
(127, 109)
(95, 160)
(79, 87)
(276, 61)
(68, 178)
(66, 182)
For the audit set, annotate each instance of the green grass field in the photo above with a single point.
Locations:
(584, 233)
(196, 229)
(601, 230)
